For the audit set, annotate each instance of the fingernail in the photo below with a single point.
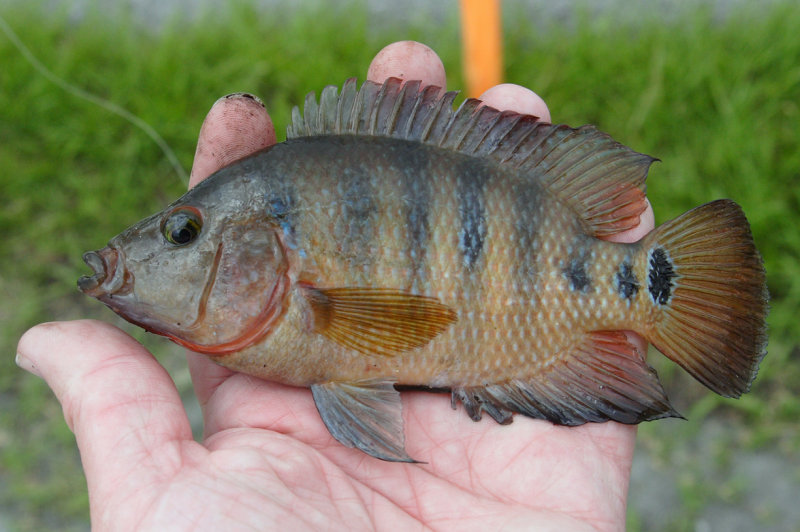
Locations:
(237, 95)
(25, 363)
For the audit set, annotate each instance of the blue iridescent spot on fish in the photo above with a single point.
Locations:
(281, 207)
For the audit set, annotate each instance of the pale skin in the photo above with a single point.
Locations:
(266, 459)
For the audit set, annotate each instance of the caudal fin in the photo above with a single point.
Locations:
(707, 284)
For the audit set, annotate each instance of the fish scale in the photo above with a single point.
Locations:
(394, 241)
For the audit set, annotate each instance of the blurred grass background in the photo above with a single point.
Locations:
(714, 92)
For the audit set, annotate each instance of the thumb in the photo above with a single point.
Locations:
(120, 403)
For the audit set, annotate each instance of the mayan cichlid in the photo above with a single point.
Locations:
(393, 241)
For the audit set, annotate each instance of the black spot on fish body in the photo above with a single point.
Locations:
(660, 276)
(626, 282)
(575, 273)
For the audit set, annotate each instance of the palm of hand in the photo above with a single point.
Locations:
(267, 458)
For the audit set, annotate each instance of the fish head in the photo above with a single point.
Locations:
(210, 272)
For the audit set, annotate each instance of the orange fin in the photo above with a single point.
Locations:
(605, 378)
(365, 415)
(376, 320)
(599, 178)
(707, 284)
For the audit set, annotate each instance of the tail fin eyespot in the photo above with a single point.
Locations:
(661, 273)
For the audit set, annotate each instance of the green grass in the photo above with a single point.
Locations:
(716, 99)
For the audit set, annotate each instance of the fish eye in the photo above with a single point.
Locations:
(182, 226)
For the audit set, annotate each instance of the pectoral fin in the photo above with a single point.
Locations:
(376, 320)
(367, 416)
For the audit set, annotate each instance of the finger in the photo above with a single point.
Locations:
(647, 222)
(245, 401)
(510, 97)
(408, 60)
(206, 378)
(120, 403)
(236, 126)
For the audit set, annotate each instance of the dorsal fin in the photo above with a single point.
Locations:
(601, 179)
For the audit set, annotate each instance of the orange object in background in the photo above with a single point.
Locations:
(482, 49)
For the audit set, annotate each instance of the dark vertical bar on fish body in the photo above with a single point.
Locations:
(625, 280)
(578, 264)
(355, 227)
(471, 179)
(526, 210)
(417, 199)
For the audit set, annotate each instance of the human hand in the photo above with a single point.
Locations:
(266, 458)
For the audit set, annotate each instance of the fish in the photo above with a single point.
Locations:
(396, 241)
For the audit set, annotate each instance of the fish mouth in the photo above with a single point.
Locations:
(109, 273)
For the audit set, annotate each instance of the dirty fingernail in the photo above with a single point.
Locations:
(26, 364)
(240, 95)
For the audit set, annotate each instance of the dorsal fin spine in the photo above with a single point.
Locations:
(410, 121)
(393, 105)
(310, 113)
(328, 104)
(547, 172)
(499, 130)
(407, 103)
(376, 108)
(513, 144)
(434, 128)
(381, 119)
(469, 107)
(397, 106)
(523, 157)
(472, 139)
(346, 104)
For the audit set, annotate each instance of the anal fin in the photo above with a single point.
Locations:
(604, 378)
(365, 415)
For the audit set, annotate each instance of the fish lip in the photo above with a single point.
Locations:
(109, 272)
(90, 283)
